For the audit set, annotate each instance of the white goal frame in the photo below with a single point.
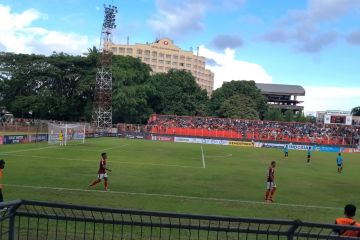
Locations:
(55, 129)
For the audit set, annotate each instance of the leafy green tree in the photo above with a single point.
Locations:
(239, 106)
(247, 88)
(274, 114)
(289, 116)
(177, 92)
(132, 90)
(300, 117)
(355, 111)
(56, 87)
(310, 119)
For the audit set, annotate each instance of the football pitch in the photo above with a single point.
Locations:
(185, 178)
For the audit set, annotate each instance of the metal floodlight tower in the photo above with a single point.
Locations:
(102, 114)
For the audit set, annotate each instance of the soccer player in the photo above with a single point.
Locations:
(339, 161)
(349, 213)
(286, 150)
(270, 185)
(61, 138)
(102, 172)
(309, 155)
(2, 166)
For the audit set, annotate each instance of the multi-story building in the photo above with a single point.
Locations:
(163, 55)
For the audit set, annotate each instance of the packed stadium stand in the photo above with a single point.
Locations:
(284, 97)
(254, 130)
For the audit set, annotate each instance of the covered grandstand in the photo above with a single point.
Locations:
(282, 96)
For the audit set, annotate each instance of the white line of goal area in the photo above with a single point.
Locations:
(95, 161)
(203, 157)
(175, 196)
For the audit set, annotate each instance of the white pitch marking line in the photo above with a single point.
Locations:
(30, 149)
(115, 147)
(113, 161)
(175, 196)
(203, 157)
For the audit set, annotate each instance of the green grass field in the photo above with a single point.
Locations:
(168, 176)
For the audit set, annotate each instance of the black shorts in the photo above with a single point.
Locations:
(309, 156)
(339, 165)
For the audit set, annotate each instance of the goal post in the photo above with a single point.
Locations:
(65, 134)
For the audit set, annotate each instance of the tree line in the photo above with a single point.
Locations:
(61, 87)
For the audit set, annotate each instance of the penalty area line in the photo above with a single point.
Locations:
(174, 196)
(203, 157)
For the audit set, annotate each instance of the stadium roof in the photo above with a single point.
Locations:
(281, 89)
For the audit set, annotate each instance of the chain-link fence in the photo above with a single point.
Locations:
(42, 220)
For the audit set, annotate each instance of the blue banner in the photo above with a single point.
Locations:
(329, 149)
(11, 139)
(38, 138)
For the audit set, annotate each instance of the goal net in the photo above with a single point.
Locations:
(65, 134)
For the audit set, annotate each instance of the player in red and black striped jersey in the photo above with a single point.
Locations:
(270, 183)
(102, 172)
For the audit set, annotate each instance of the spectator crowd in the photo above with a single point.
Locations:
(338, 134)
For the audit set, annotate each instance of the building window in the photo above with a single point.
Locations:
(154, 54)
(188, 65)
(146, 59)
(153, 60)
(161, 55)
(182, 57)
(122, 50)
(175, 57)
(161, 61)
(129, 50)
(168, 56)
(188, 59)
(147, 53)
(181, 64)
(174, 63)
(167, 69)
(161, 68)
(168, 62)
(114, 49)
(139, 51)
(153, 66)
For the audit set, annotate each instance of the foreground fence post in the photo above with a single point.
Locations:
(292, 229)
(12, 227)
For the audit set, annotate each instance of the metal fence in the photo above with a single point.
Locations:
(42, 220)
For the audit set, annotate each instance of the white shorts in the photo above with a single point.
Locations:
(102, 176)
(270, 185)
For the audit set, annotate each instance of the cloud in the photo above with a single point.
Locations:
(19, 35)
(175, 18)
(227, 41)
(330, 98)
(302, 28)
(232, 4)
(227, 68)
(354, 38)
(318, 42)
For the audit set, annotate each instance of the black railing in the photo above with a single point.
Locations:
(42, 220)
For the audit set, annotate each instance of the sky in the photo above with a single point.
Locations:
(312, 43)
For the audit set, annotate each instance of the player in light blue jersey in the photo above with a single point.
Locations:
(309, 152)
(286, 150)
(339, 161)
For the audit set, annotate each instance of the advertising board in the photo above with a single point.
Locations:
(241, 144)
(201, 141)
(12, 139)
